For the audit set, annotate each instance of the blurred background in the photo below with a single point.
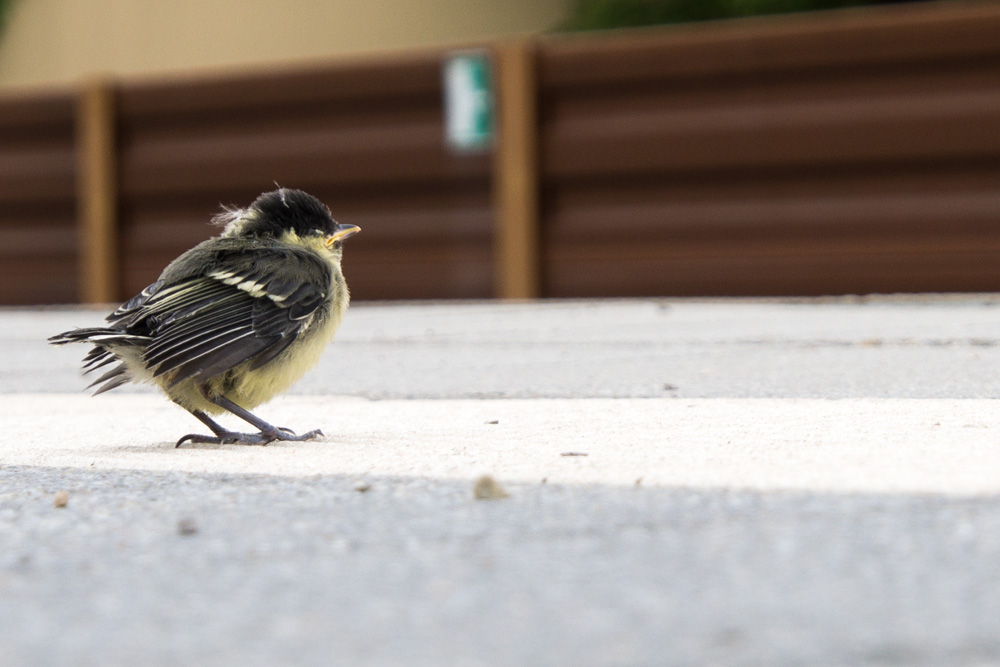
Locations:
(518, 149)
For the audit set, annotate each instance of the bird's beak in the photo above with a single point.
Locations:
(343, 231)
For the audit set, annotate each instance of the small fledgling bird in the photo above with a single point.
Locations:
(235, 320)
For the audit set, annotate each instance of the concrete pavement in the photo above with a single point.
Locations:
(904, 347)
(733, 482)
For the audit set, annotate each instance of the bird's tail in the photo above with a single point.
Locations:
(98, 336)
(105, 342)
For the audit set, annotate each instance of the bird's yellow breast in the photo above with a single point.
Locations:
(253, 387)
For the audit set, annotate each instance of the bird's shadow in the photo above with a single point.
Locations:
(170, 447)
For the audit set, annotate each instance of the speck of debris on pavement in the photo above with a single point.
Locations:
(487, 488)
(187, 527)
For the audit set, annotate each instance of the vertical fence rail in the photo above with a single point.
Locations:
(516, 175)
(97, 195)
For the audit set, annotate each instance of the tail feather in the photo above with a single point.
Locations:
(97, 357)
(101, 361)
(99, 336)
(105, 342)
(116, 377)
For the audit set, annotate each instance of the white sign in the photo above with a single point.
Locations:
(468, 101)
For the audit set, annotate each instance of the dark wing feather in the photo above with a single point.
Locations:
(135, 303)
(280, 321)
(205, 325)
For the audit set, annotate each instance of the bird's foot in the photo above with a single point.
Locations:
(260, 438)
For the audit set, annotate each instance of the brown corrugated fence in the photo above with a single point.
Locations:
(38, 240)
(365, 138)
(843, 152)
(858, 153)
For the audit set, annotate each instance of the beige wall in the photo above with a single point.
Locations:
(61, 41)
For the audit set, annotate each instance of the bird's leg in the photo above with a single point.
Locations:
(222, 435)
(268, 433)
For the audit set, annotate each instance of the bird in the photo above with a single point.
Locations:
(235, 320)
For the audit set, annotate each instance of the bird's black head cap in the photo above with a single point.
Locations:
(282, 210)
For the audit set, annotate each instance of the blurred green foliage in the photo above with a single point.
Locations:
(5, 7)
(603, 14)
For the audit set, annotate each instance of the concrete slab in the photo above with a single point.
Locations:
(947, 447)
(909, 347)
(764, 482)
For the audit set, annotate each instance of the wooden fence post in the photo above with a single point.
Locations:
(516, 173)
(97, 193)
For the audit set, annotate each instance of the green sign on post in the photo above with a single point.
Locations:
(468, 101)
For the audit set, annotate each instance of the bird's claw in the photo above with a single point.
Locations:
(261, 438)
(197, 438)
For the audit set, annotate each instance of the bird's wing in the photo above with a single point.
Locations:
(240, 310)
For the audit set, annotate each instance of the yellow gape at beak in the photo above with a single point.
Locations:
(343, 231)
